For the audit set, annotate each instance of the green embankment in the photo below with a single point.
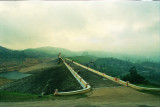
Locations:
(148, 85)
(119, 68)
(16, 97)
(5, 80)
(45, 82)
(83, 59)
(13, 96)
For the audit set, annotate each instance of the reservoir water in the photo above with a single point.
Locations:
(13, 75)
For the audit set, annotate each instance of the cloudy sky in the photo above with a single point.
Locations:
(124, 27)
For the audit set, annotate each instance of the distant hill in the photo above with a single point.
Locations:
(53, 52)
(13, 60)
(113, 66)
(83, 59)
(118, 68)
(150, 70)
(132, 58)
(21, 54)
(34, 52)
(110, 63)
(49, 51)
(8, 53)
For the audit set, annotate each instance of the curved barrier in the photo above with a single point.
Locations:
(83, 83)
(126, 83)
(75, 92)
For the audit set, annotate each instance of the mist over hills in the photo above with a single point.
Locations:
(37, 52)
(115, 64)
(127, 57)
(14, 60)
(53, 52)
(119, 68)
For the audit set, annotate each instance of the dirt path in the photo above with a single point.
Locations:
(93, 79)
(105, 97)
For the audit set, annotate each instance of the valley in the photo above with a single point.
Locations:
(45, 74)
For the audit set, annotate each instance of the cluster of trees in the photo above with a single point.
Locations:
(114, 69)
(134, 77)
(111, 66)
(119, 68)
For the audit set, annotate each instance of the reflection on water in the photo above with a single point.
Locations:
(13, 75)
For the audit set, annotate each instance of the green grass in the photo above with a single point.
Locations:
(83, 59)
(57, 77)
(148, 85)
(4, 80)
(157, 93)
(151, 92)
(16, 97)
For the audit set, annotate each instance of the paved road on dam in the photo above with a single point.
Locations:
(93, 79)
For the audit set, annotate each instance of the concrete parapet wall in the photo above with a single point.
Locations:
(95, 71)
(75, 92)
(115, 79)
(83, 83)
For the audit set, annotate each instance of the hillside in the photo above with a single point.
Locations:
(14, 60)
(83, 59)
(8, 53)
(127, 57)
(112, 66)
(150, 71)
(118, 68)
(51, 51)
(39, 67)
(4, 80)
(57, 77)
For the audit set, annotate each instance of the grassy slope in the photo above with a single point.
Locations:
(4, 80)
(39, 67)
(83, 59)
(45, 81)
(13, 96)
(119, 68)
(148, 85)
(110, 66)
(16, 97)
(14, 60)
(16, 64)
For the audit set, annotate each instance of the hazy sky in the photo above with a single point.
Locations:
(127, 27)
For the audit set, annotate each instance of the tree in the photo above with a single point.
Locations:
(133, 71)
(134, 77)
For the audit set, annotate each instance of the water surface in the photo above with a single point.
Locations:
(13, 75)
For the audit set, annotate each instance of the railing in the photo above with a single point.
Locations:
(83, 83)
(126, 83)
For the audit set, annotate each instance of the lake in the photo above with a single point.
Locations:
(14, 75)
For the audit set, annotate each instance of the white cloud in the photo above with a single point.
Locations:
(129, 27)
